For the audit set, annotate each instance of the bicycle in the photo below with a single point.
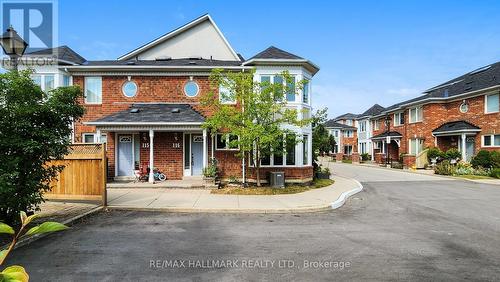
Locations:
(142, 175)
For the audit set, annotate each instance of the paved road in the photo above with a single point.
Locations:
(401, 227)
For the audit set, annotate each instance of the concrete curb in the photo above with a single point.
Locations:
(344, 196)
(29, 240)
(306, 209)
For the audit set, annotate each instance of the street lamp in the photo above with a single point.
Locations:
(13, 45)
(387, 130)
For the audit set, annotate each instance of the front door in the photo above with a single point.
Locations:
(196, 154)
(125, 155)
(469, 148)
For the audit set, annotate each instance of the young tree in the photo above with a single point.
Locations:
(258, 115)
(322, 141)
(35, 128)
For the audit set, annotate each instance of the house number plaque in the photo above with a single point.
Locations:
(176, 145)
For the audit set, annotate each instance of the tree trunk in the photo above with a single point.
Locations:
(257, 165)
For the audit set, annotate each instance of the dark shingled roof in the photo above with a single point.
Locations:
(63, 53)
(385, 134)
(276, 53)
(154, 113)
(333, 124)
(456, 126)
(346, 116)
(373, 111)
(478, 79)
(170, 62)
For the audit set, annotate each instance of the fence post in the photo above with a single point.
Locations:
(104, 176)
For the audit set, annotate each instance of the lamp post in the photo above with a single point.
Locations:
(387, 130)
(13, 45)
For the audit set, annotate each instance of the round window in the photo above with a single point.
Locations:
(191, 89)
(464, 107)
(129, 89)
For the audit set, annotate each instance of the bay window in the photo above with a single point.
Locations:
(45, 81)
(305, 92)
(305, 149)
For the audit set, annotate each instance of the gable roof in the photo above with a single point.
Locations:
(456, 126)
(275, 56)
(63, 53)
(346, 116)
(276, 53)
(175, 32)
(333, 124)
(372, 111)
(152, 113)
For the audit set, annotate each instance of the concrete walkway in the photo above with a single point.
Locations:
(199, 200)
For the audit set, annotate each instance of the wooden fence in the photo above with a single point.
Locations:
(84, 174)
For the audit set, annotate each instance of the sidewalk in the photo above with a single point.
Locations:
(197, 200)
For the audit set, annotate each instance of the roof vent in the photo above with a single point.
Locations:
(134, 110)
(176, 110)
(131, 63)
(163, 58)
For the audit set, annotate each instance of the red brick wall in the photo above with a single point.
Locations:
(291, 173)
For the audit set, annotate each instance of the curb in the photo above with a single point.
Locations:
(29, 240)
(344, 196)
(331, 206)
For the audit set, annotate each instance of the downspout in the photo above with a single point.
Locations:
(243, 160)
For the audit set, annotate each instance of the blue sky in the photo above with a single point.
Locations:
(369, 51)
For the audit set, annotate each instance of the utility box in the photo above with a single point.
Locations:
(277, 179)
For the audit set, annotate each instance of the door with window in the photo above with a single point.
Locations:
(469, 148)
(196, 154)
(125, 155)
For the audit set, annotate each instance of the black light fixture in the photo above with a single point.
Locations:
(13, 45)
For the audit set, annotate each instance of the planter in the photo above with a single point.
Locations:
(322, 175)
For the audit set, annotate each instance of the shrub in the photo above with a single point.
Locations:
(365, 157)
(453, 154)
(434, 152)
(482, 159)
(495, 172)
(444, 168)
(495, 159)
(467, 169)
(211, 170)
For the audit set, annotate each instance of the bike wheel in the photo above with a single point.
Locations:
(162, 177)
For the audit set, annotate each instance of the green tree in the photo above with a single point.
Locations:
(35, 128)
(258, 115)
(322, 142)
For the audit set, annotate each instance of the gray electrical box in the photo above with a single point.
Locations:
(277, 179)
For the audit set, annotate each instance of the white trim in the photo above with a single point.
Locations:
(85, 91)
(453, 132)
(174, 33)
(142, 123)
(191, 80)
(486, 102)
(492, 141)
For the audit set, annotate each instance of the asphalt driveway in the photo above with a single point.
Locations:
(401, 227)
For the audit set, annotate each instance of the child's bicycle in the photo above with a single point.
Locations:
(142, 175)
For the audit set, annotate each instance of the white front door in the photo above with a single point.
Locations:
(125, 155)
(196, 154)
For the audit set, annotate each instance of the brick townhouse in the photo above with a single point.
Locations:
(462, 113)
(145, 105)
(344, 129)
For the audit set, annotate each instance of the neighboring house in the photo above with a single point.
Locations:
(463, 113)
(146, 104)
(344, 136)
(365, 130)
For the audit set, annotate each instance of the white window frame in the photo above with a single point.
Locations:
(376, 124)
(417, 151)
(362, 126)
(42, 80)
(349, 133)
(486, 103)
(104, 137)
(226, 148)
(397, 117)
(231, 102)
(271, 81)
(419, 114)
(85, 90)
(492, 136)
(307, 85)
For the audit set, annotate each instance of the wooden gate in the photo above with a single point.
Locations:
(84, 174)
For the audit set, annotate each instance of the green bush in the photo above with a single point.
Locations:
(444, 168)
(453, 154)
(482, 159)
(495, 172)
(495, 159)
(365, 157)
(434, 152)
(467, 169)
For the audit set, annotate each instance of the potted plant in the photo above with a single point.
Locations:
(434, 154)
(210, 172)
(453, 155)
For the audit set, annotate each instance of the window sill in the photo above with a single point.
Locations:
(489, 113)
(420, 121)
(227, 149)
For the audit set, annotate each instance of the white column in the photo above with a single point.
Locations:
(299, 152)
(98, 137)
(383, 146)
(372, 150)
(309, 149)
(205, 153)
(151, 161)
(464, 156)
